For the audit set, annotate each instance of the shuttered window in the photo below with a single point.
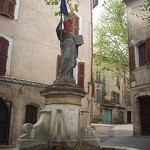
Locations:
(142, 54)
(3, 55)
(98, 95)
(115, 97)
(148, 49)
(7, 7)
(81, 70)
(131, 57)
(58, 65)
(75, 24)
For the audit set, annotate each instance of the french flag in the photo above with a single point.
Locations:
(63, 9)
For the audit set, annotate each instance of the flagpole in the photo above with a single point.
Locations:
(61, 35)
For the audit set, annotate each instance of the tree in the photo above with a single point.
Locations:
(111, 39)
(73, 6)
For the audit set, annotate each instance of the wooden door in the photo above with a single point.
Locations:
(145, 115)
(128, 116)
(31, 114)
(5, 112)
(108, 116)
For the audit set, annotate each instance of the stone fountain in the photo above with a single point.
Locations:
(60, 126)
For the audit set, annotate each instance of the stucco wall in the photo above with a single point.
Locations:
(35, 44)
(136, 25)
(34, 56)
(140, 81)
(20, 96)
(136, 93)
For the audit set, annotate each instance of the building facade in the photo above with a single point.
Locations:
(139, 53)
(29, 52)
(111, 101)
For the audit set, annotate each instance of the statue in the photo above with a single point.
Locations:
(69, 52)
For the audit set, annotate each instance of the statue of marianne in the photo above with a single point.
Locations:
(68, 53)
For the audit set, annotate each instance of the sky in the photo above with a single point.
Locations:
(97, 11)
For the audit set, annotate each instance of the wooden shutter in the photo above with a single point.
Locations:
(148, 49)
(81, 70)
(75, 24)
(93, 89)
(3, 6)
(11, 8)
(131, 57)
(58, 65)
(3, 55)
(7, 7)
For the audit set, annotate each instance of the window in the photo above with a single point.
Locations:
(98, 76)
(81, 70)
(75, 24)
(142, 54)
(98, 95)
(148, 49)
(115, 97)
(3, 55)
(9, 8)
(139, 54)
(128, 100)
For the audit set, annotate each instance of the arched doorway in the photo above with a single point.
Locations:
(5, 112)
(145, 114)
(31, 114)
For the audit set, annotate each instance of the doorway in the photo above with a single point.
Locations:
(145, 115)
(5, 112)
(107, 116)
(128, 116)
(31, 114)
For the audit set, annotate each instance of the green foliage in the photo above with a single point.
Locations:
(111, 38)
(73, 6)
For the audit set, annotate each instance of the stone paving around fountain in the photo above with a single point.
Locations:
(120, 137)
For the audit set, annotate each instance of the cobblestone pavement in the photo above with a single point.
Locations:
(142, 142)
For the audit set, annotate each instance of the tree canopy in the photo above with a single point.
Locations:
(111, 39)
(71, 4)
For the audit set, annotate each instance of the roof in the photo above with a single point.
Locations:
(95, 3)
(23, 82)
(127, 1)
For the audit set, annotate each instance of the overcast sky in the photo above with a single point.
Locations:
(97, 11)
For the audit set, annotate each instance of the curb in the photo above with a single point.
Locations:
(117, 148)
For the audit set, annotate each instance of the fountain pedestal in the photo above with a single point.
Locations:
(60, 126)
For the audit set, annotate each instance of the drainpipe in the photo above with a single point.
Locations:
(91, 112)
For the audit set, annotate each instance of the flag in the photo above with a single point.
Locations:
(63, 9)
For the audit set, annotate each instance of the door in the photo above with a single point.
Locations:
(107, 116)
(128, 116)
(145, 115)
(31, 114)
(5, 111)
